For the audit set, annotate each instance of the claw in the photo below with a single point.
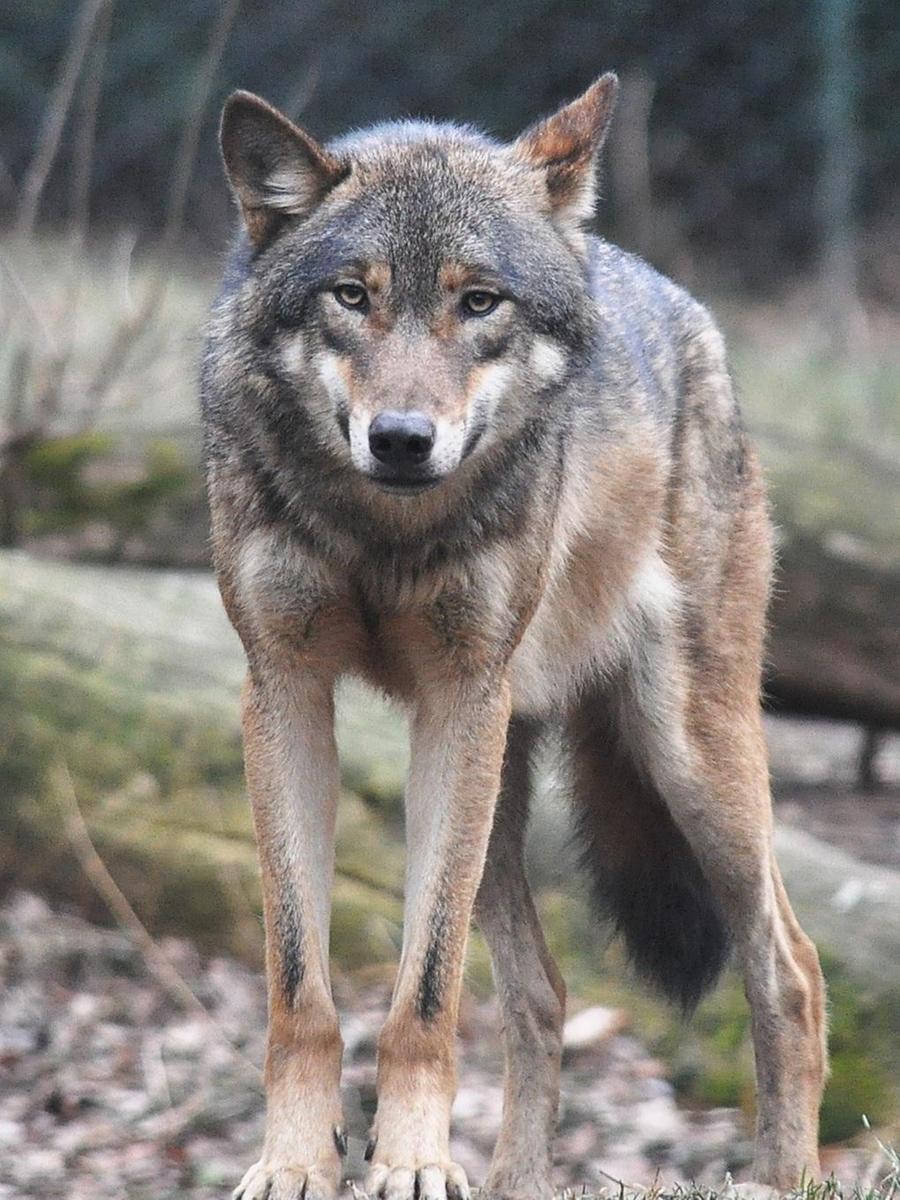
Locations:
(435, 1181)
(376, 1180)
(457, 1183)
(370, 1148)
(401, 1184)
(431, 1184)
(340, 1140)
(285, 1183)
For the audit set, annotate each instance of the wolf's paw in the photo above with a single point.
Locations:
(266, 1181)
(437, 1181)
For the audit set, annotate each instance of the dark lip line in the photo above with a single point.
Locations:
(405, 488)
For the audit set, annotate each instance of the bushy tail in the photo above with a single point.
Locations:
(646, 879)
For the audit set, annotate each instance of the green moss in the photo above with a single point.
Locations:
(366, 925)
(161, 786)
(864, 1043)
(65, 494)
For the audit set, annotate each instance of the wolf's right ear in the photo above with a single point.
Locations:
(275, 168)
(564, 148)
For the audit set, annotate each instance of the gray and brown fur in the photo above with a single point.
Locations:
(585, 549)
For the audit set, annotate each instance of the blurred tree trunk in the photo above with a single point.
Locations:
(836, 196)
(15, 441)
(641, 223)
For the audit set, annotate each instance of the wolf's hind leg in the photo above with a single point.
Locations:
(728, 822)
(531, 991)
(692, 852)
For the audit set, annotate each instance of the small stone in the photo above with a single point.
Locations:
(592, 1027)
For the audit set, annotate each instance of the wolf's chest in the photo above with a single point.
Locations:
(586, 626)
(561, 652)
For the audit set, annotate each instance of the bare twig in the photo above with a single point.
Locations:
(18, 386)
(122, 259)
(38, 171)
(86, 131)
(234, 881)
(186, 153)
(80, 191)
(300, 97)
(165, 1125)
(185, 156)
(356, 876)
(47, 370)
(35, 311)
(96, 871)
(158, 1126)
(15, 442)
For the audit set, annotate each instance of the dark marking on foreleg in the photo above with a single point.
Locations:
(289, 935)
(429, 997)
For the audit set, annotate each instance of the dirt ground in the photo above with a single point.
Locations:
(109, 1088)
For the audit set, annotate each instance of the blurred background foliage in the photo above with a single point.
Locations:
(745, 107)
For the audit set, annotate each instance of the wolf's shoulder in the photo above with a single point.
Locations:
(624, 283)
(654, 332)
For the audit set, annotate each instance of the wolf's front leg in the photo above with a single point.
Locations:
(458, 737)
(292, 775)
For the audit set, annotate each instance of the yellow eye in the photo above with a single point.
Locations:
(479, 303)
(351, 295)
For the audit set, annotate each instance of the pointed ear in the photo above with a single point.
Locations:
(565, 147)
(275, 168)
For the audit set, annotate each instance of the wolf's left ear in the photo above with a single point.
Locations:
(565, 147)
(275, 168)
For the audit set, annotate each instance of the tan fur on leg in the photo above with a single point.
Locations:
(694, 724)
(292, 777)
(458, 739)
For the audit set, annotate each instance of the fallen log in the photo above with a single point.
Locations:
(834, 648)
(117, 672)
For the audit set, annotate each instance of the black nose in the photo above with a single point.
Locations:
(401, 439)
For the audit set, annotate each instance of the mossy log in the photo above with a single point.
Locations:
(131, 679)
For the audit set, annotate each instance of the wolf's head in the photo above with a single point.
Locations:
(421, 289)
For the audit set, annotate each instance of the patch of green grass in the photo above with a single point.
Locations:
(886, 1186)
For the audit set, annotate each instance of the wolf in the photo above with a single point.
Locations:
(461, 448)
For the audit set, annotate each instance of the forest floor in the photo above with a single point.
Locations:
(110, 1087)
